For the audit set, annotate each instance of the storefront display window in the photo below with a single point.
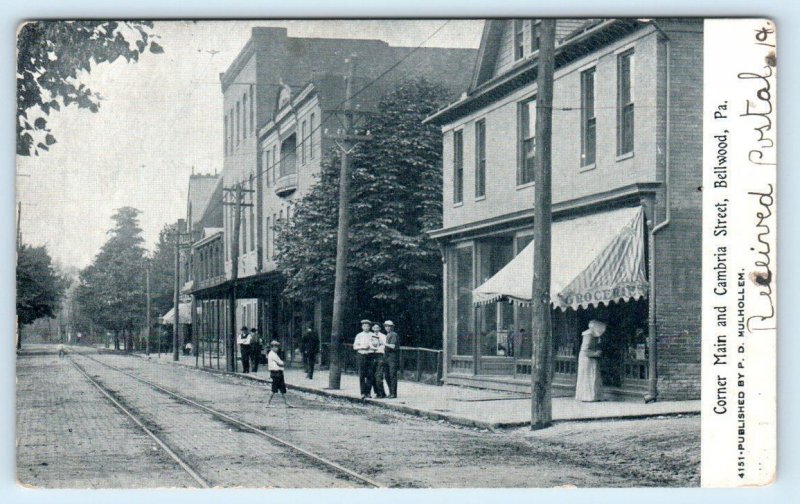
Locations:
(465, 337)
(496, 319)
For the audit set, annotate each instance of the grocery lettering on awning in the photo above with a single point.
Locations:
(596, 259)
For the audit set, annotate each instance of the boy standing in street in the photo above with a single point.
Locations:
(275, 366)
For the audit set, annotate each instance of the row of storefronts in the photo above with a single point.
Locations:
(626, 210)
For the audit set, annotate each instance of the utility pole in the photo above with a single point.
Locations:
(346, 143)
(238, 192)
(542, 331)
(147, 317)
(176, 324)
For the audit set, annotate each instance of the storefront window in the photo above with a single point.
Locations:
(496, 320)
(465, 338)
(521, 339)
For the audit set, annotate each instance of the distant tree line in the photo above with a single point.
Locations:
(112, 289)
(40, 287)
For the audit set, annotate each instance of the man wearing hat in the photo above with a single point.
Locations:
(362, 347)
(309, 345)
(255, 349)
(391, 357)
(244, 339)
(275, 367)
(377, 345)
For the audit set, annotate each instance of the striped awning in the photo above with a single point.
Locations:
(185, 314)
(596, 259)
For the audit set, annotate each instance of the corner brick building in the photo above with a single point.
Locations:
(626, 174)
(281, 96)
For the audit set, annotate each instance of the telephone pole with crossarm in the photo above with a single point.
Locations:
(346, 141)
(236, 193)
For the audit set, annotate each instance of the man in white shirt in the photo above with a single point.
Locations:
(362, 347)
(244, 339)
(378, 346)
(275, 367)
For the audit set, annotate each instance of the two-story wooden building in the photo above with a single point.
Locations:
(626, 175)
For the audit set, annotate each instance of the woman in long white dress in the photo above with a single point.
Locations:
(589, 385)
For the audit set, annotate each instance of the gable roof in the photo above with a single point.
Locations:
(578, 37)
(491, 38)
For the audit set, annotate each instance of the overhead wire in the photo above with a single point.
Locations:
(389, 69)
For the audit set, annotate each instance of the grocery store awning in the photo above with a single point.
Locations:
(596, 259)
(185, 314)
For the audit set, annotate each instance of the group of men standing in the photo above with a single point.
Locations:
(377, 353)
(378, 357)
(250, 348)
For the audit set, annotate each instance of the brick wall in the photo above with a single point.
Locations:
(678, 246)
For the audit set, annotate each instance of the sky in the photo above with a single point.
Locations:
(160, 118)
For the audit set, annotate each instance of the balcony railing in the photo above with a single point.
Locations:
(285, 185)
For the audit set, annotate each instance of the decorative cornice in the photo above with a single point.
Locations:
(633, 193)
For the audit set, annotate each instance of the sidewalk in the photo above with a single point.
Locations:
(467, 406)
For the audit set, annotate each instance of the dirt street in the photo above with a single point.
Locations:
(396, 449)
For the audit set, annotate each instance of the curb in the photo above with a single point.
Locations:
(457, 420)
(431, 415)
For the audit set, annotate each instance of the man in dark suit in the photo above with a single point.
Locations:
(391, 357)
(309, 345)
(255, 349)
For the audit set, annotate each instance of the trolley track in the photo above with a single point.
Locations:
(315, 459)
(199, 480)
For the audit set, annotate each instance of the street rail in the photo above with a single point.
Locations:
(174, 456)
(241, 424)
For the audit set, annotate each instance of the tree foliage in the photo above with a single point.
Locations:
(162, 270)
(51, 57)
(112, 288)
(394, 268)
(40, 288)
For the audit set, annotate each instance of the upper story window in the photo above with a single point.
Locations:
(458, 166)
(289, 156)
(274, 163)
(252, 217)
(244, 115)
(519, 39)
(303, 134)
(480, 158)
(274, 224)
(226, 134)
(625, 62)
(535, 35)
(252, 111)
(588, 119)
(267, 167)
(267, 244)
(526, 140)
(231, 131)
(238, 123)
(311, 125)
